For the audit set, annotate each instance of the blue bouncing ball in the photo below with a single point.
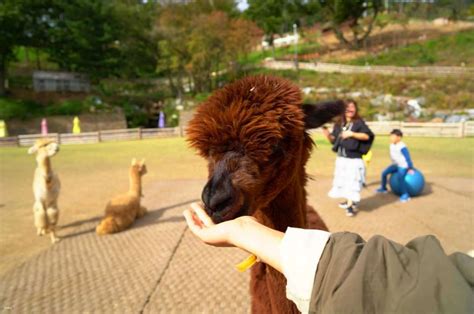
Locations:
(415, 183)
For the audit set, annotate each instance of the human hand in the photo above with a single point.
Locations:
(347, 134)
(244, 232)
(411, 171)
(222, 234)
(325, 131)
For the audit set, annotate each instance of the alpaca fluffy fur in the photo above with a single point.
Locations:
(46, 187)
(254, 132)
(122, 210)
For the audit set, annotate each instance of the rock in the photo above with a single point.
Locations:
(308, 90)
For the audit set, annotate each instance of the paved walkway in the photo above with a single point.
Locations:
(159, 267)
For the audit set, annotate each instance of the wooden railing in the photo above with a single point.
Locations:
(422, 129)
(92, 137)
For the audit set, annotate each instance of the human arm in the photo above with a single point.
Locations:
(406, 154)
(294, 253)
(360, 131)
(357, 135)
(331, 138)
(374, 276)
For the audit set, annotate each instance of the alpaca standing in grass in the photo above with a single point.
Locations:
(46, 187)
(253, 135)
(122, 210)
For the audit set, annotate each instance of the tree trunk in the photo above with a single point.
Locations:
(340, 36)
(27, 56)
(3, 75)
(38, 62)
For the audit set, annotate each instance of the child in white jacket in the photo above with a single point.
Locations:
(402, 163)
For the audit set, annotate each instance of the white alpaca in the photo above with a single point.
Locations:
(46, 188)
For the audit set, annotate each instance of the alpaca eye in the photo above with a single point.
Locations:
(276, 149)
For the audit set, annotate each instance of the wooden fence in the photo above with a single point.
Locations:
(422, 129)
(93, 137)
(370, 69)
(462, 129)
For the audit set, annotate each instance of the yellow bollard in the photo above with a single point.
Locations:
(3, 129)
(76, 128)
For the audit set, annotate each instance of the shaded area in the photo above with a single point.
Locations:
(154, 216)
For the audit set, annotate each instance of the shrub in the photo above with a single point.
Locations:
(17, 109)
(67, 107)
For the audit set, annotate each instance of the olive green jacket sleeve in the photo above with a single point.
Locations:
(381, 276)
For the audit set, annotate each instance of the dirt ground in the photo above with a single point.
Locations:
(91, 174)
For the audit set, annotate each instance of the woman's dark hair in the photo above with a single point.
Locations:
(342, 120)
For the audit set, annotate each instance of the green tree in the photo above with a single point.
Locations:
(359, 15)
(86, 38)
(11, 34)
(273, 16)
(174, 26)
(39, 18)
(97, 37)
(197, 44)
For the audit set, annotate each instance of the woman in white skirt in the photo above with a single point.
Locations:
(351, 138)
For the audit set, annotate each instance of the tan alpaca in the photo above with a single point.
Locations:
(122, 210)
(46, 188)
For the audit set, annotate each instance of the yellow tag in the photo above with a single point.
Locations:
(246, 263)
(367, 157)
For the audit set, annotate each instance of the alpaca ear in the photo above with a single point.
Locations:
(142, 162)
(320, 113)
(33, 149)
(134, 161)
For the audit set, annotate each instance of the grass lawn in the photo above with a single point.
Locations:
(170, 159)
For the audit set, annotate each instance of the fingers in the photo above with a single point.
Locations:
(193, 222)
(202, 226)
(201, 213)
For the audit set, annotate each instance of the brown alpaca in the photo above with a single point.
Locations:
(46, 187)
(252, 133)
(122, 210)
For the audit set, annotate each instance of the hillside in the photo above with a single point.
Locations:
(416, 43)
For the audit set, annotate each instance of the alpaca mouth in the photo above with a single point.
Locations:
(231, 212)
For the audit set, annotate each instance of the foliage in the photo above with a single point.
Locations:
(351, 13)
(103, 38)
(67, 107)
(134, 114)
(11, 108)
(273, 17)
(10, 35)
(97, 37)
(197, 45)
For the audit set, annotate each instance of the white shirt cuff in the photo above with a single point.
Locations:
(300, 251)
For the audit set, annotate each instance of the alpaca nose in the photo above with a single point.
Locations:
(217, 194)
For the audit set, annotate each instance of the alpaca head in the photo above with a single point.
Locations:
(138, 168)
(252, 133)
(44, 148)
